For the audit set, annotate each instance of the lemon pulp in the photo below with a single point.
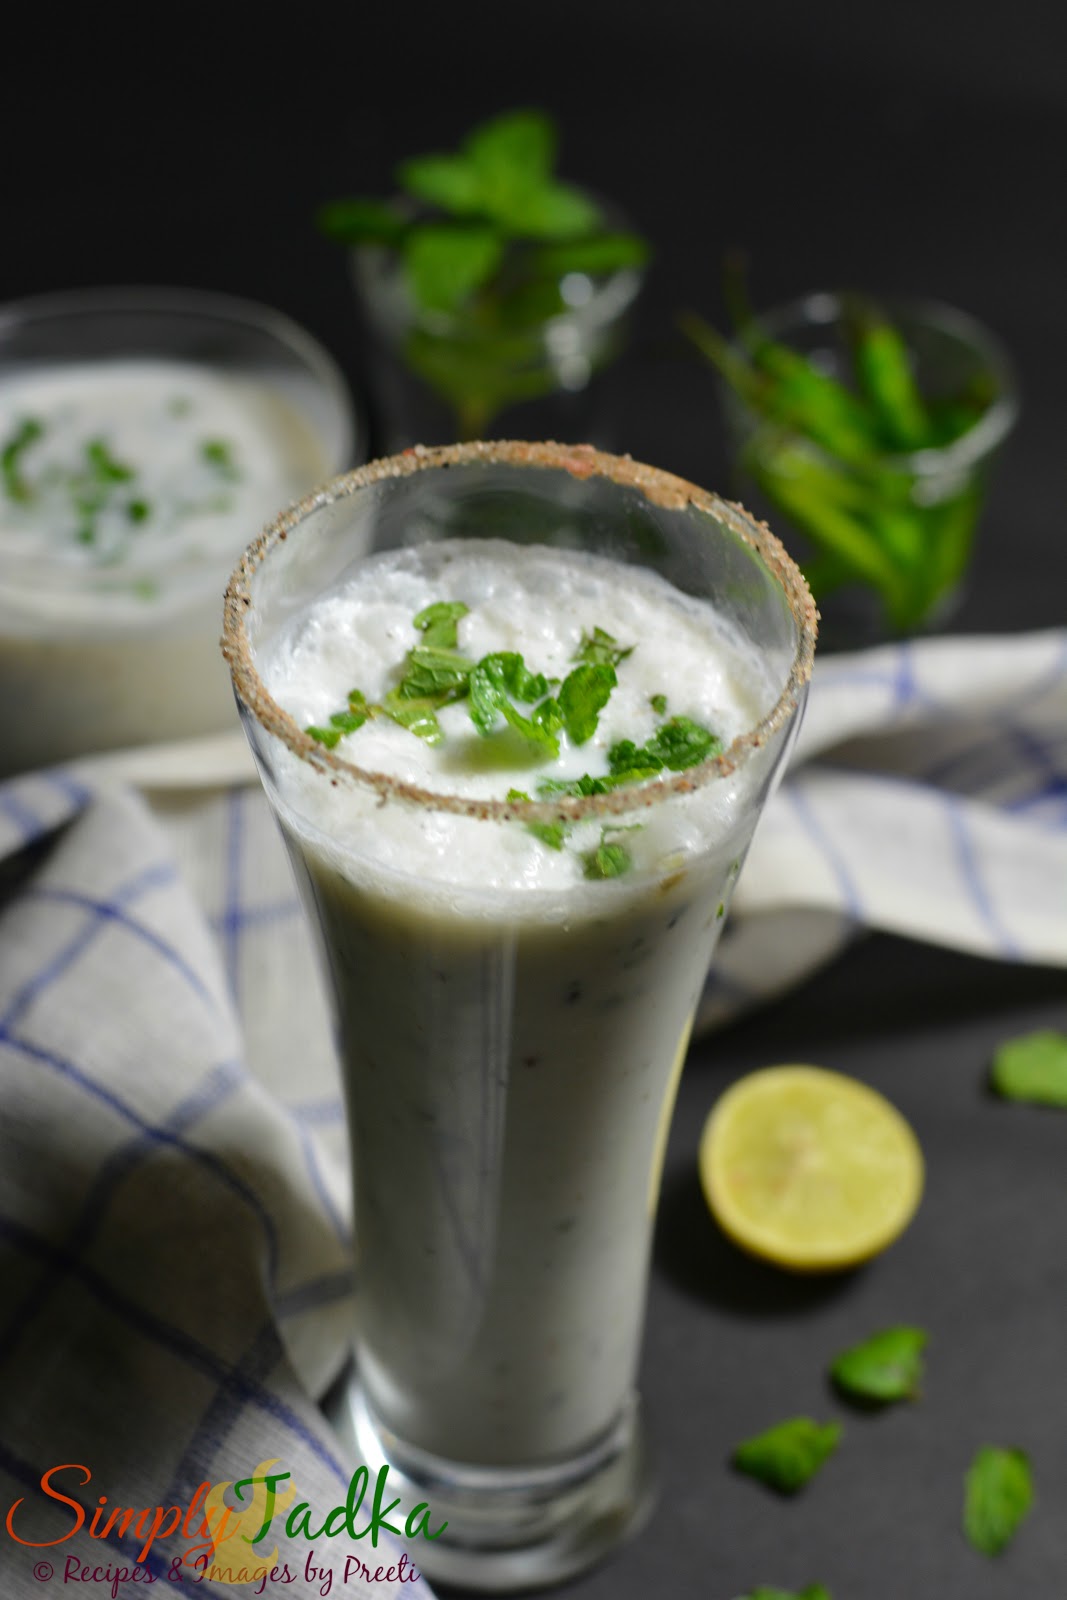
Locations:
(809, 1168)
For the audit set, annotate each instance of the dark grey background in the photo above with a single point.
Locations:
(917, 148)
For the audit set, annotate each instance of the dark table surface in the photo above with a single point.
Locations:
(920, 150)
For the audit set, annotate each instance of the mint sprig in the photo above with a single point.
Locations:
(788, 1456)
(485, 235)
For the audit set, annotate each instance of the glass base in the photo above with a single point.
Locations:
(508, 1528)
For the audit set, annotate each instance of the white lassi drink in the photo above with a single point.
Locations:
(127, 488)
(518, 781)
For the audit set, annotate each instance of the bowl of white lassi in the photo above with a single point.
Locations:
(145, 434)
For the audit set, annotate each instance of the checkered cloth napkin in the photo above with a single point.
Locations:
(175, 1282)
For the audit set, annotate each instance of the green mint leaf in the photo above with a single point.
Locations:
(631, 763)
(549, 788)
(597, 257)
(439, 623)
(15, 485)
(104, 467)
(433, 672)
(787, 1456)
(327, 736)
(445, 263)
(348, 721)
(553, 834)
(658, 702)
(600, 649)
(553, 211)
(513, 151)
(417, 716)
(999, 1492)
(1033, 1068)
(451, 182)
(682, 743)
(606, 861)
(495, 683)
(138, 511)
(887, 1366)
(218, 453)
(360, 222)
(814, 1591)
(583, 695)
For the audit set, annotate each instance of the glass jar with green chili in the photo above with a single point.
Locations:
(867, 427)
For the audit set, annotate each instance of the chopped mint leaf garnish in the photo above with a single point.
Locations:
(86, 534)
(496, 683)
(549, 788)
(553, 834)
(15, 485)
(105, 468)
(348, 721)
(138, 511)
(788, 1456)
(814, 1591)
(583, 695)
(658, 702)
(608, 860)
(600, 649)
(180, 406)
(677, 744)
(433, 671)
(327, 736)
(417, 716)
(885, 1367)
(218, 453)
(439, 623)
(999, 1492)
(1033, 1068)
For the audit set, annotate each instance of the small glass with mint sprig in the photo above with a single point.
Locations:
(502, 692)
(867, 426)
(489, 284)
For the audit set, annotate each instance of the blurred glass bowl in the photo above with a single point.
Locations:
(106, 648)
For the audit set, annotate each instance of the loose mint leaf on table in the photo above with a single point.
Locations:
(999, 1492)
(1033, 1068)
(787, 1456)
(447, 262)
(600, 649)
(582, 696)
(439, 622)
(885, 1367)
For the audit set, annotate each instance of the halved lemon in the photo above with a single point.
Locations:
(809, 1168)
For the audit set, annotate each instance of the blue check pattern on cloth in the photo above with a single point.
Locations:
(176, 1275)
(174, 1211)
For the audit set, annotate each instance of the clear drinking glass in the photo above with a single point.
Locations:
(510, 1055)
(886, 541)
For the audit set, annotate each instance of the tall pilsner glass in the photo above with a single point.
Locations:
(510, 1053)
